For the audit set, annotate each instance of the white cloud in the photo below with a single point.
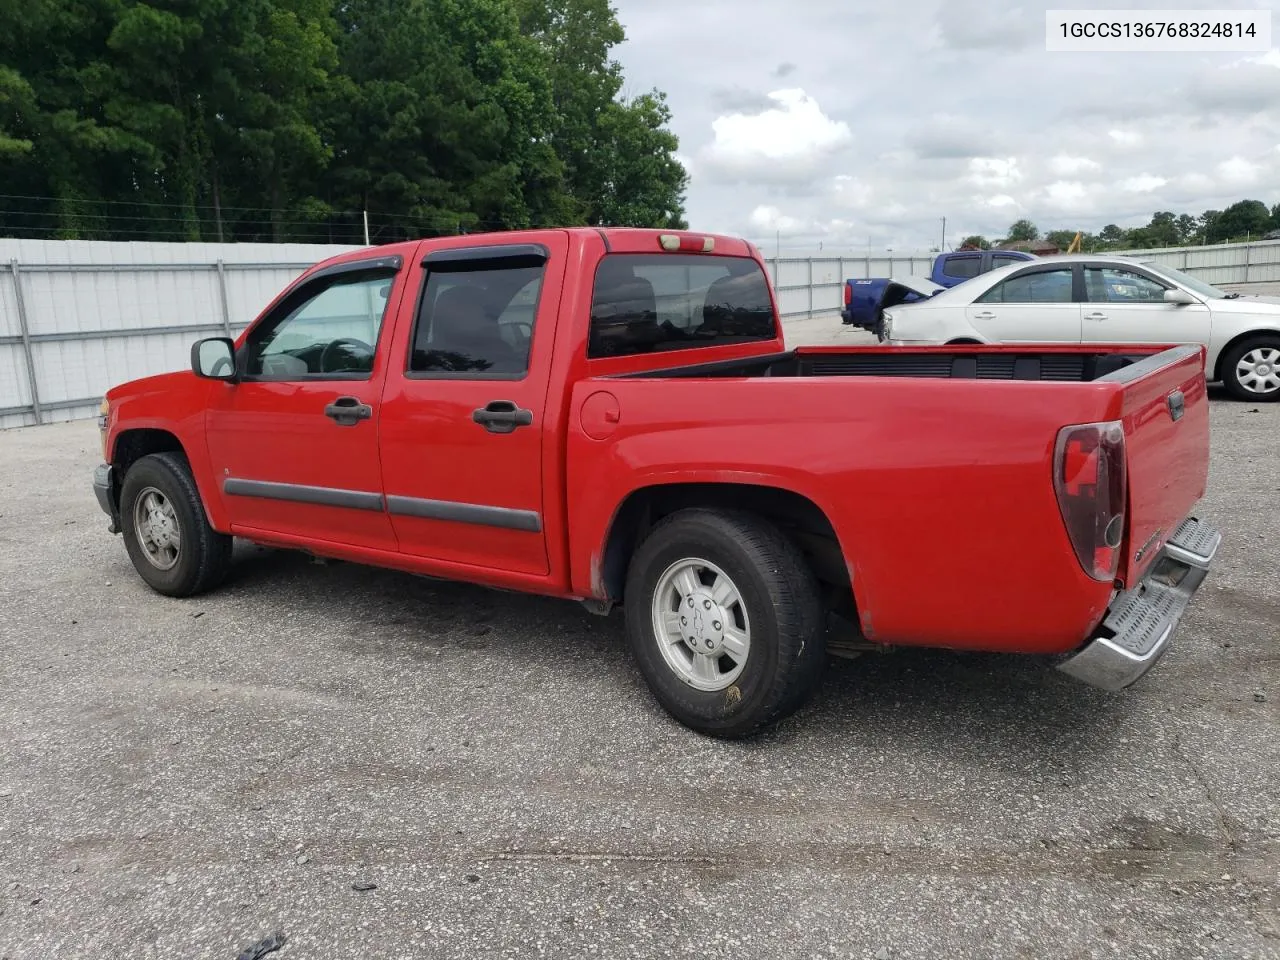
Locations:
(1066, 166)
(851, 193)
(994, 171)
(1066, 195)
(969, 121)
(788, 142)
(769, 219)
(1142, 183)
(1239, 171)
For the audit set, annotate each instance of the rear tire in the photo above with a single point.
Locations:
(752, 644)
(166, 531)
(1251, 369)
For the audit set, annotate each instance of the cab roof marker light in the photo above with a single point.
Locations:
(674, 243)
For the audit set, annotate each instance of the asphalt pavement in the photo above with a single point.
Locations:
(382, 766)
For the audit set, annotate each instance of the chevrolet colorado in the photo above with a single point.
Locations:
(613, 416)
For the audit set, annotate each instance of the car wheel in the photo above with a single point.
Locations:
(724, 619)
(166, 531)
(1251, 369)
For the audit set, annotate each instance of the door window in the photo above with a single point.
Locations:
(326, 330)
(999, 261)
(476, 319)
(1112, 285)
(1041, 286)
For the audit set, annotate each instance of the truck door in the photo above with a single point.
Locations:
(463, 413)
(294, 443)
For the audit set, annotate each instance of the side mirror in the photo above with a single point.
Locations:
(1180, 297)
(214, 358)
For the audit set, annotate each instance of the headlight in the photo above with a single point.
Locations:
(886, 328)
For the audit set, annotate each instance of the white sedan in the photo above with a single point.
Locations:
(1098, 299)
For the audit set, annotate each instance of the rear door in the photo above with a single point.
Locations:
(1127, 305)
(463, 414)
(1166, 425)
(1034, 305)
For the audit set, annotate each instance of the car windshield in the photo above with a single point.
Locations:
(1190, 282)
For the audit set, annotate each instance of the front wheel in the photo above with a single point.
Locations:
(165, 529)
(1251, 369)
(724, 619)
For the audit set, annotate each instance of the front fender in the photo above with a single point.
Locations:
(174, 403)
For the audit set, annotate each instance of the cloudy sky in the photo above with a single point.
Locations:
(849, 122)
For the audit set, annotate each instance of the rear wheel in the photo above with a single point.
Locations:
(166, 532)
(724, 619)
(1251, 369)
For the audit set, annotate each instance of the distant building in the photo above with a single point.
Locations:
(1041, 248)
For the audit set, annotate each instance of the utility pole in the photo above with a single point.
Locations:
(366, 228)
(942, 248)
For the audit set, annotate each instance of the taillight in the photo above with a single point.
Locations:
(1091, 483)
(848, 294)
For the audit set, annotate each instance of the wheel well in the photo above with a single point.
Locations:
(798, 516)
(133, 445)
(965, 340)
(1235, 342)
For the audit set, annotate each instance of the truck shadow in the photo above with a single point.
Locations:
(1012, 713)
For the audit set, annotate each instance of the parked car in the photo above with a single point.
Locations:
(1105, 300)
(866, 300)
(613, 416)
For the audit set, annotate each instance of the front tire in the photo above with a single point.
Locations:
(1251, 369)
(166, 531)
(724, 619)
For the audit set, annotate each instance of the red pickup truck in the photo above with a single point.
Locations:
(613, 416)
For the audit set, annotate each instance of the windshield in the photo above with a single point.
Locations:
(1190, 282)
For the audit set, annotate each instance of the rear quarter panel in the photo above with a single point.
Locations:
(939, 491)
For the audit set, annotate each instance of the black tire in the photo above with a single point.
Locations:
(779, 594)
(1231, 360)
(203, 554)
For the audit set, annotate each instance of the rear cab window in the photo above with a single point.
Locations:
(961, 268)
(648, 303)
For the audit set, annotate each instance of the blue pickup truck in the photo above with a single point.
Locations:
(866, 300)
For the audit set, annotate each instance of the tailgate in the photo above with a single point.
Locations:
(1166, 426)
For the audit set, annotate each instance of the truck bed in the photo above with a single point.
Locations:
(981, 362)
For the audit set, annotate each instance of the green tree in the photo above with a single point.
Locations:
(1187, 228)
(618, 154)
(976, 241)
(1243, 218)
(1111, 235)
(1022, 230)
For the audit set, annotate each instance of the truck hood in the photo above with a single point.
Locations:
(146, 386)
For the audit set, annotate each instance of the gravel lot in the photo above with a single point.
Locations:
(183, 778)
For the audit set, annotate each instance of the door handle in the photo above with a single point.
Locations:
(984, 315)
(502, 416)
(1095, 316)
(348, 411)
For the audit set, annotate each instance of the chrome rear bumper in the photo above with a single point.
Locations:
(1141, 622)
